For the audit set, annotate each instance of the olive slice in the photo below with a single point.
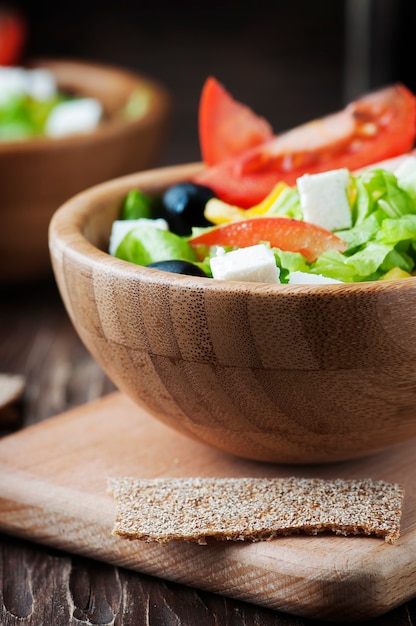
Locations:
(178, 267)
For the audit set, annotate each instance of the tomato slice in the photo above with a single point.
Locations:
(227, 127)
(12, 36)
(281, 232)
(378, 126)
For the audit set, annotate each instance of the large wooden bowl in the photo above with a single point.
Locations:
(290, 374)
(39, 175)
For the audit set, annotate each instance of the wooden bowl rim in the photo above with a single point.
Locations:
(113, 128)
(66, 238)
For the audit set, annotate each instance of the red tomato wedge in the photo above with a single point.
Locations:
(281, 232)
(378, 126)
(12, 36)
(227, 127)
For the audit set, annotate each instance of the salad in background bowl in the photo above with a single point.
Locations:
(130, 114)
(31, 105)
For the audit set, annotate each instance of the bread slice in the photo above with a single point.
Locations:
(254, 509)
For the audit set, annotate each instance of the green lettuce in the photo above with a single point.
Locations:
(22, 117)
(383, 234)
(287, 203)
(146, 244)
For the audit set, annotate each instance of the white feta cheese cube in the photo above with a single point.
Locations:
(324, 199)
(41, 84)
(74, 116)
(304, 278)
(406, 176)
(406, 167)
(254, 264)
(13, 82)
(120, 228)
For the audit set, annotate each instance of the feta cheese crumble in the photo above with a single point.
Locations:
(304, 278)
(324, 199)
(406, 167)
(39, 84)
(254, 264)
(74, 116)
(406, 176)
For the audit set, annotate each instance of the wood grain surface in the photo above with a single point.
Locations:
(67, 507)
(44, 497)
(43, 585)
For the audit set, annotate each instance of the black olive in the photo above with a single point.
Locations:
(184, 206)
(178, 267)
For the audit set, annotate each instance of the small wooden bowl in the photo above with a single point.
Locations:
(38, 175)
(288, 374)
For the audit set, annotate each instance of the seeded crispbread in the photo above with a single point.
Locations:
(253, 509)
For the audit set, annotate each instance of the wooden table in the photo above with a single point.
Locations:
(42, 586)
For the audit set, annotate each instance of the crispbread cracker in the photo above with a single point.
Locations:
(254, 509)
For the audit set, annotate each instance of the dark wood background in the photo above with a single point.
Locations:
(290, 61)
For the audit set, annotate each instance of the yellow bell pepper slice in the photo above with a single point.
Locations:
(395, 272)
(219, 212)
(270, 199)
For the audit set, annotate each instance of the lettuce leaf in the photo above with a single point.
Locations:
(147, 244)
(287, 203)
(383, 235)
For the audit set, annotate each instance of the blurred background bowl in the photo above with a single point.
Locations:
(38, 175)
(281, 373)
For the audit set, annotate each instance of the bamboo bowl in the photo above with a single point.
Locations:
(38, 175)
(280, 373)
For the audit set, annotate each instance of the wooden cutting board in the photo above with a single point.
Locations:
(53, 491)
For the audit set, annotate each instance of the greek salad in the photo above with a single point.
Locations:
(305, 206)
(32, 104)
